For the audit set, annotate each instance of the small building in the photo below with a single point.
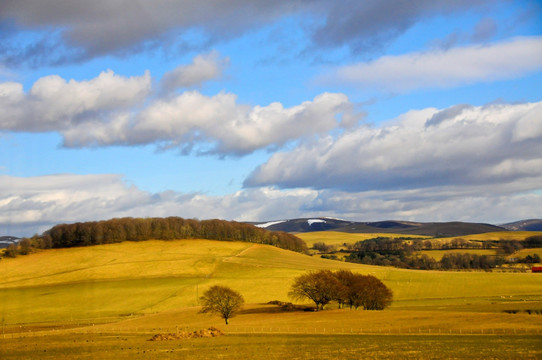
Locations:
(536, 269)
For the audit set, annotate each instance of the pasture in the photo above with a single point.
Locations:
(340, 238)
(106, 301)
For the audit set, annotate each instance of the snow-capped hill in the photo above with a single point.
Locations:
(6, 241)
(270, 223)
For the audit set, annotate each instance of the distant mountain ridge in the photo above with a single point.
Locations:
(5, 241)
(454, 228)
(524, 225)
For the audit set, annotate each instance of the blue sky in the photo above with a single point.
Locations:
(258, 110)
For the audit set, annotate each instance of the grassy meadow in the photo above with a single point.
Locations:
(340, 238)
(499, 235)
(106, 301)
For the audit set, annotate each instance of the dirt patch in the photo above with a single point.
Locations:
(204, 333)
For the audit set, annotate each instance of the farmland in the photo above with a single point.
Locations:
(100, 299)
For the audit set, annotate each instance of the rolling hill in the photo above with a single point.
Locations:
(106, 282)
(524, 225)
(107, 301)
(436, 229)
(5, 241)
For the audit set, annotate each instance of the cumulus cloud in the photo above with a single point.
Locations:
(204, 67)
(30, 205)
(497, 147)
(83, 30)
(114, 110)
(444, 68)
(197, 123)
(54, 104)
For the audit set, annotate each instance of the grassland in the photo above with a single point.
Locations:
(279, 346)
(340, 238)
(95, 301)
(499, 235)
(438, 254)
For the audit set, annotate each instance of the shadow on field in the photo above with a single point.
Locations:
(275, 306)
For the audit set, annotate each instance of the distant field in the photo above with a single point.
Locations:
(116, 296)
(438, 254)
(340, 238)
(500, 235)
(524, 252)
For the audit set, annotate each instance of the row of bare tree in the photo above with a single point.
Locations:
(343, 286)
(322, 287)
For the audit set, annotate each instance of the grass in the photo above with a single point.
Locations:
(499, 235)
(117, 296)
(340, 238)
(438, 254)
(142, 278)
(524, 252)
(279, 346)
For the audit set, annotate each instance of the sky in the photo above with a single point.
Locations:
(423, 110)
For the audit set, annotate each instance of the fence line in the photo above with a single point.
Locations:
(242, 329)
(239, 329)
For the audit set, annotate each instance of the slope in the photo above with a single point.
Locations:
(107, 282)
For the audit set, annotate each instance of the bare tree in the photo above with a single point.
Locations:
(320, 287)
(343, 286)
(221, 300)
(377, 296)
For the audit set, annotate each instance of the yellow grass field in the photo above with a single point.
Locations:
(499, 235)
(132, 290)
(438, 254)
(340, 238)
(524, 252)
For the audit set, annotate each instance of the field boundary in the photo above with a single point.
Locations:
(241, 329)
(370, 331)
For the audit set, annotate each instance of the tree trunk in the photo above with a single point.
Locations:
(227, 321)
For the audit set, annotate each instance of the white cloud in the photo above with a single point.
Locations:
(444, 68)
(497, 146)
(203, 68)
(54, 104)
(81, 30)
(115, 110)
(34, 204)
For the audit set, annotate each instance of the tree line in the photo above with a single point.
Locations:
(344, 287)
(141, 229)
(449, 261)
(401, 252)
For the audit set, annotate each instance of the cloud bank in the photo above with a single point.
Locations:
(495, 148)
(30, 205)
(69, 31)
(444, 68)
